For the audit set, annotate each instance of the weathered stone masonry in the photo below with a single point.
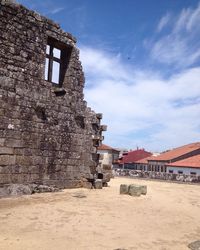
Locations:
(48, 135)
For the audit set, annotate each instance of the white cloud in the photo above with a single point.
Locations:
(99, 63)
(139, 107)
(180, 46)
(163, 22)
(56, 10)
(44, 7)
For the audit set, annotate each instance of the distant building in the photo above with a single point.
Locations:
(107, 155)
(142, 164)
(129, 159)
(188, 166)
(159, 163)
(122, 151)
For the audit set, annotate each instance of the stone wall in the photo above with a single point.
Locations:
(48, 135)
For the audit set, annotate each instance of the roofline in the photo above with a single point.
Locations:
(182, 166)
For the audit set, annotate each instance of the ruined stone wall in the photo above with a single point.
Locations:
(47, 132)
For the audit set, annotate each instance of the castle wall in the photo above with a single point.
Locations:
(47, 131)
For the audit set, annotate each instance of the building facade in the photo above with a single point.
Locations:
(188, 166)
(129, 159)
(160, 163)
(107, 155)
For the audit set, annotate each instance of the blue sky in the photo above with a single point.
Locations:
(141, 60)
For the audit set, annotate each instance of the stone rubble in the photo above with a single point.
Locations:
(21, 189)
(194, 245)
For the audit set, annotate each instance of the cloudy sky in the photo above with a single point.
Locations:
(141, 60)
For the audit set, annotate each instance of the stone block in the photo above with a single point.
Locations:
(14, 143)
(134, 190)
(24, 160)
(7, 160)
(106, 177)
(98, 184)
(144, 189)
(19, 151)
(99, 115)
(2, 140)
(87, 184)
(6, 151)
(103, 127)
(5, 178)
(124, 189)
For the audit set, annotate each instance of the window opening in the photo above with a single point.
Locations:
(180, 172)
(57, 59)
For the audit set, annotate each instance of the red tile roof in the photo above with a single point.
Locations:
(191, 162)
(145, 160)
(106, 147)
(135, 155)
(174, 153)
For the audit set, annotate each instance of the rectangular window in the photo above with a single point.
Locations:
(180, 172)
(57, 59)
(171, 171)
(193, 173)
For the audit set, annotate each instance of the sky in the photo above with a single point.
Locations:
(141, 61)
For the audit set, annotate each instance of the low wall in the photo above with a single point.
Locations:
(158, 175)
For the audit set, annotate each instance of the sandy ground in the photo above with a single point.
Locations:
(168, 217)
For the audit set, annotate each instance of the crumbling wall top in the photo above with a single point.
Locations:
(14, 4)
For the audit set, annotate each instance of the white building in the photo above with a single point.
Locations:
(188, 166)
(162, 162)
(108, 156)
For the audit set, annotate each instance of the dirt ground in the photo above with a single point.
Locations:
(168, 217)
